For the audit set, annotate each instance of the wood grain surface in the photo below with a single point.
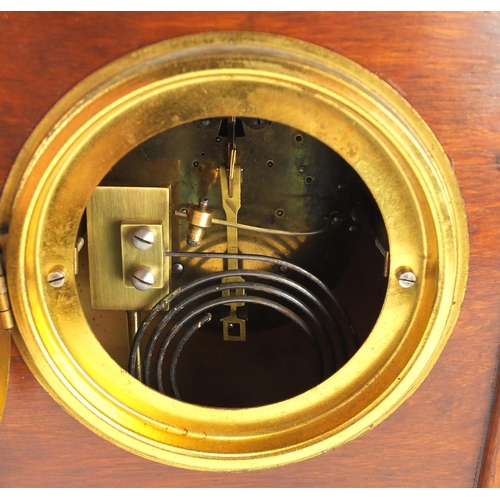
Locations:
(489, 476)
(447, 65)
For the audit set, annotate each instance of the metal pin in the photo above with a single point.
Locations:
(231, 152)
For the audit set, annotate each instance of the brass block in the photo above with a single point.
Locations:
(200, 218)
(112, 212)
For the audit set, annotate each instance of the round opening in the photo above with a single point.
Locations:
(301, 334)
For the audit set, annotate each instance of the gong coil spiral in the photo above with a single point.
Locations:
(188, 308)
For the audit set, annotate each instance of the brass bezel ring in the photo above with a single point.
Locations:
(234, 74)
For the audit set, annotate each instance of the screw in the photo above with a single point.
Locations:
(177, 268)
(309, 180)
(218, 139)
(143, 279)
(195, 163)
(143, 238)
(56, 278)
(203, 204)
(298, 138)
(258, 123)
(406, 279)
(280, 212)
(270, 163)
(302, 169)
(205, 123)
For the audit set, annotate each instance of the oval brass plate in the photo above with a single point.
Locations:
(234, 74)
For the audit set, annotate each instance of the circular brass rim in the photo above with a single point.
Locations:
(241, 74)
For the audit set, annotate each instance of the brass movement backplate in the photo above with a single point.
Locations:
(67, 169)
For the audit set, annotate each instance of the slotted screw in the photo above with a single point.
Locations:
(143, 279)
(406, 279)
(143, 238)
(56, 278)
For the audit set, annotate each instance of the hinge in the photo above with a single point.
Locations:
(6, 323)
(6, 317)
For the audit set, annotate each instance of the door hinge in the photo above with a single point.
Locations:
(6, 317)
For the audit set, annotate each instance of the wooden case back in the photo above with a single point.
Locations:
(447, 65)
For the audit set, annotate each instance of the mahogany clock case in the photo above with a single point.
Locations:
(446, 66)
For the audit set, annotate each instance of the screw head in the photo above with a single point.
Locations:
(406, 279)
(206, 123)
(56, 278)
(177, 268)
(143, 279)
(203, 203)
(257, 123)
(143, 238)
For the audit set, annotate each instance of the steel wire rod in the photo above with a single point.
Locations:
(230, 286)
(173, 377)
(264, 230)
(216, 288)
(227, 300)
(282, 280)
(280, 262)
(162, 304)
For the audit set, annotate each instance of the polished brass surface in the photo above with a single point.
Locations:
(6, 318)
(231, 155)
(180, 81)
(113, 214)
(199, 217)
(6, 324)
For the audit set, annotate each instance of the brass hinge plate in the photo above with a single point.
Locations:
(4, 367)
(6, 324)
(6, 317)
